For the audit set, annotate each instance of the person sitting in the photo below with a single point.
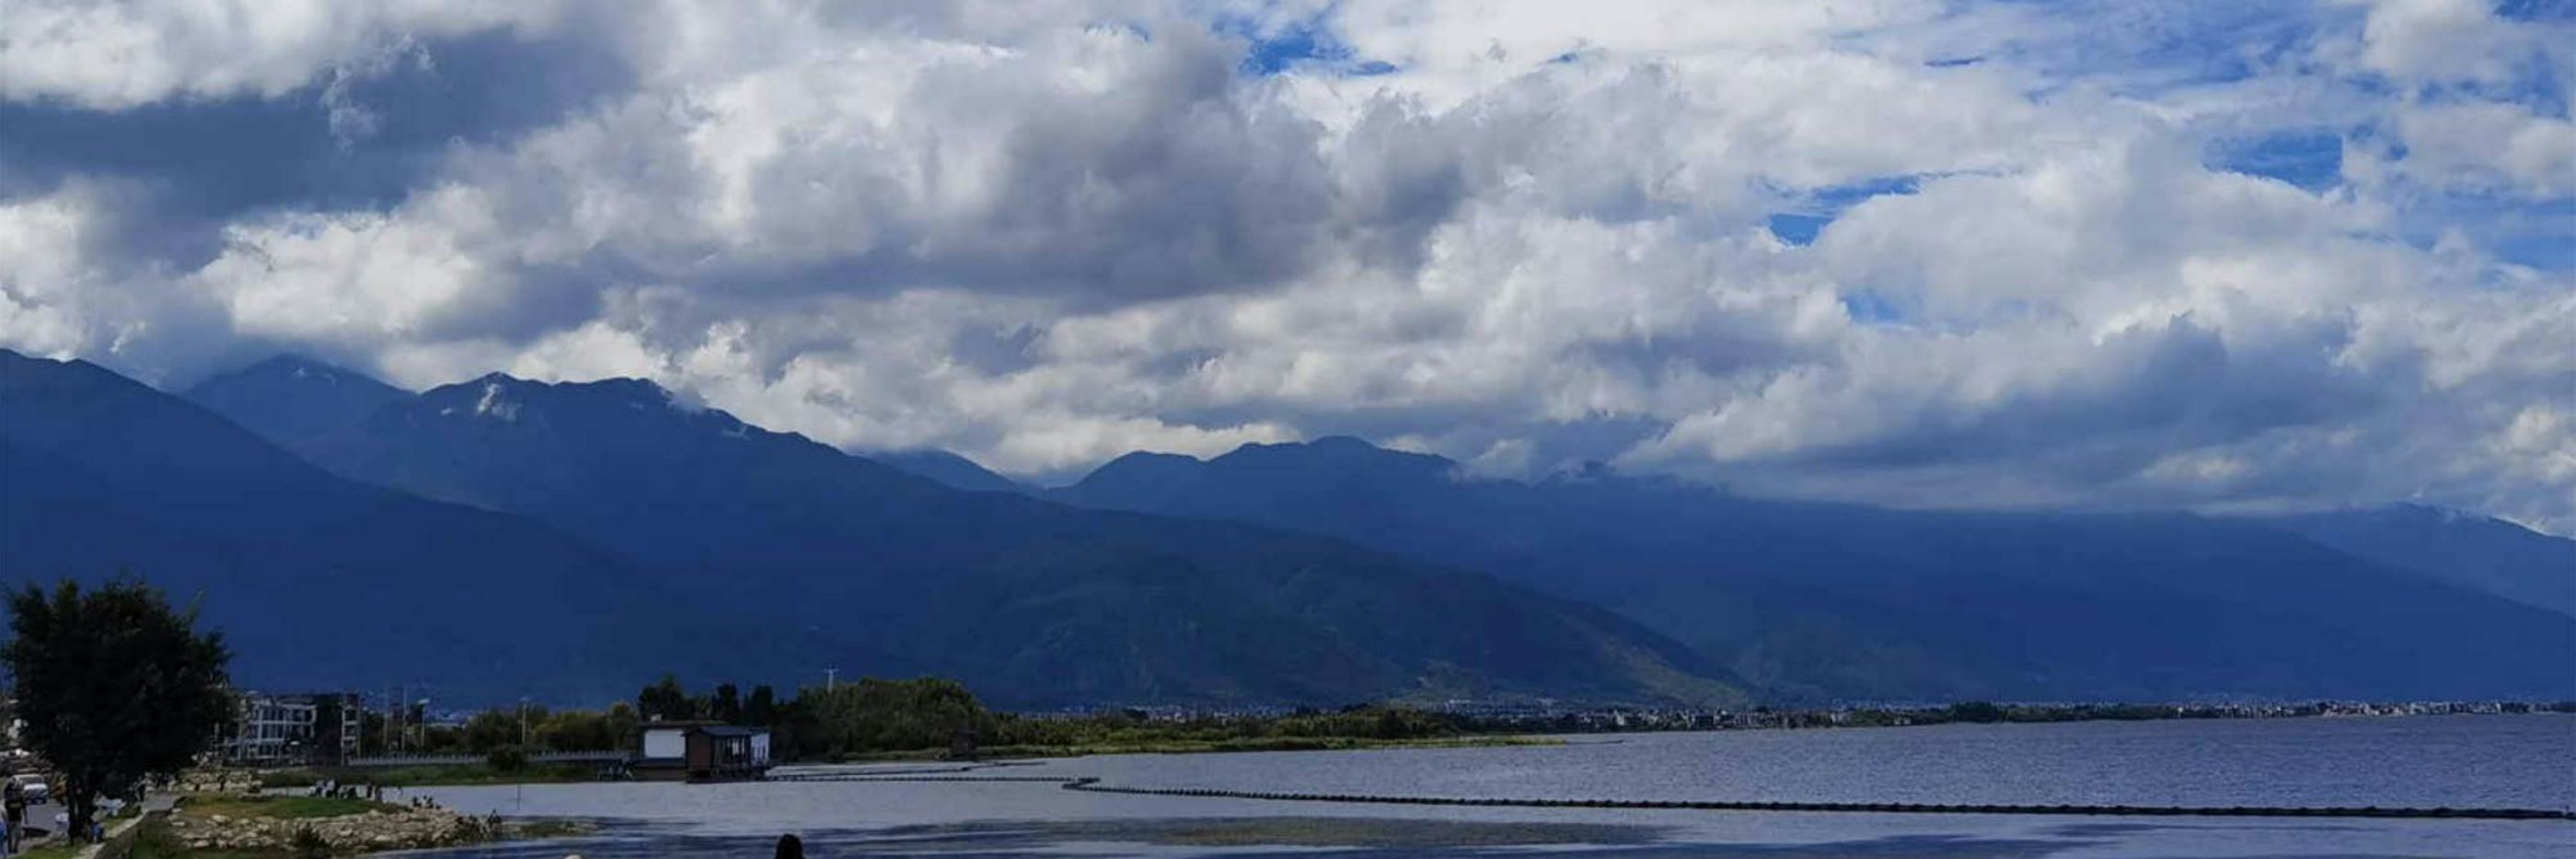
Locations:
(790, 847)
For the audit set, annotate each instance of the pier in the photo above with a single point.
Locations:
(1093, 785)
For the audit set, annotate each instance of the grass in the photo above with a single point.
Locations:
(287, 807)
(278, 779)
(476, 773)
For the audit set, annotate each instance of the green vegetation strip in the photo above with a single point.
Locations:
(433, 775)
(1094, 785)
(287, 807)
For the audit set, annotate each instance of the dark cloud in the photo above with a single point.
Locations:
(192, 166)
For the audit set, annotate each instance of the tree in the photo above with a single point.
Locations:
(506, 759)
(115, 687)
(727, 705)
(879, 715)
(579, 731)
(621, 721)
(666, 701)
(763, 708)
(491, 729)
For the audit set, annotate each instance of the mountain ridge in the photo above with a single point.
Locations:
(101, 476)
(1814, 601)
(291, 396)
(1845, 601)
(1035, 603)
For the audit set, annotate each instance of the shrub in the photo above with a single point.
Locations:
(307, 844)
(507, 759)
(275, 779)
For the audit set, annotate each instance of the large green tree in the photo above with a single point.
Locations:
(879, 715)
(666, 701)
(726, 706)
(115, 687)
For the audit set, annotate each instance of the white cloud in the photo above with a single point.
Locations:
(1046, 234)
(122, 55)
(2491, 147)
(2442, 41)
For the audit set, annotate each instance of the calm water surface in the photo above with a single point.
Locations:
(2484, 761)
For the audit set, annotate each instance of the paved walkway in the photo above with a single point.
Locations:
(161, 802)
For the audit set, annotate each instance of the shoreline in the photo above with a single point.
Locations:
(477, 774)
(1194, 747)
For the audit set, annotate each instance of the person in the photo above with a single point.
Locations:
(790, 847)
(13, 801)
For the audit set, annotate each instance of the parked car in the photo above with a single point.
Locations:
(32, 787)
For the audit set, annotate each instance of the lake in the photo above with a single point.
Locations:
(2523, 761)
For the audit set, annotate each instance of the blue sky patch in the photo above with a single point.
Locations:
(1303, 43)
(1821, 206)
(1799, 230)
(1869, 307)
(2308, 159)
(2545, 238)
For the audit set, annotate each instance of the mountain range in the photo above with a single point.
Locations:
(500, 535)
(1828, 601)
(504, 537)
(316, 581)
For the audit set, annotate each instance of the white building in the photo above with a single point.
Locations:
(288, 729)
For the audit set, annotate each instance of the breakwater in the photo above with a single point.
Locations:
(1093, 785)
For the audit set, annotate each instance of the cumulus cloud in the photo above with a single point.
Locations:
(123, 55)
(2038, 266)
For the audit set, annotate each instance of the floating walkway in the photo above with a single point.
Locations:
(1094, 785)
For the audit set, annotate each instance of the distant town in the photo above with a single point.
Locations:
(352, 729)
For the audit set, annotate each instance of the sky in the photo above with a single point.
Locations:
(2230, 257)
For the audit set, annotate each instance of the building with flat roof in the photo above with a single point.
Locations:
(701, 751)
(292, 730)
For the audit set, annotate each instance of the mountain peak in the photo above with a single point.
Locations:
(951, 469)
(1149, 457)
(19, 368)
(287, 397)
(502, 395)
(297, 366)
(1335, 452)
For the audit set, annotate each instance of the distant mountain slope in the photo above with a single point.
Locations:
(1856, 602)
(949, 469)
(294, 398)
(1030, 602)
(316, 581)
(2486, 554)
